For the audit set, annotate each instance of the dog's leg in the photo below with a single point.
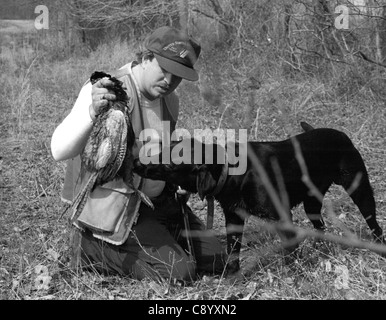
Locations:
(288, 237)
(312, 207)
(234, 229)
(364, 199)
(351, 166)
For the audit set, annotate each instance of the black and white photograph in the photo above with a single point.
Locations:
(193, 155)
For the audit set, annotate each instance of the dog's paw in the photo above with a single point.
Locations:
(324, 248)
(234, 278)
(379, 238)
(232, 267)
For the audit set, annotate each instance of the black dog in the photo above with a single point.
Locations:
(329, 156)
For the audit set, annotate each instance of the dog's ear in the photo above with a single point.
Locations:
(205, 181)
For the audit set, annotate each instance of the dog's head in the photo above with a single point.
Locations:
(199, 178)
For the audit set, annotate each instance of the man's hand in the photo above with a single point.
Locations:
(101, 96)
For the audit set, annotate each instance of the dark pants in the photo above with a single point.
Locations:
(157, 247)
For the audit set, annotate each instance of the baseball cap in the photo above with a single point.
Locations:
(175, 51)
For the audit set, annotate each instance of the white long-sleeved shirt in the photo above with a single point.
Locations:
(70, 137)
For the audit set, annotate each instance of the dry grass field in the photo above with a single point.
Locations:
(37, 91)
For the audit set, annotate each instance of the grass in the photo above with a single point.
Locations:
(17, 26)
(38, 92)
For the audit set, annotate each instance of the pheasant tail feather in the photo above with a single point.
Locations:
(80, 200)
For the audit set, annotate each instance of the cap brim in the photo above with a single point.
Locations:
(176, 68)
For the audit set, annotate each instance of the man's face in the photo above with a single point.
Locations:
(157, 82)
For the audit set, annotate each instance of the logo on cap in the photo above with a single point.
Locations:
(175, 47)
(184, 53)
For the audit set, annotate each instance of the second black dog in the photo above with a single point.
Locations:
(329, 155)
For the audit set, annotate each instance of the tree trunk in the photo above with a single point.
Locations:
(380, 36)
(183, 7)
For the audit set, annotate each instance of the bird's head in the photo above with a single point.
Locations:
(116, 87)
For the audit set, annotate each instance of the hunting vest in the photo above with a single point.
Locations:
(110, 212)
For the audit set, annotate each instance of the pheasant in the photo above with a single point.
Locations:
(108, 151)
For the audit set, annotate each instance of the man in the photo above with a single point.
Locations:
(138, 241)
